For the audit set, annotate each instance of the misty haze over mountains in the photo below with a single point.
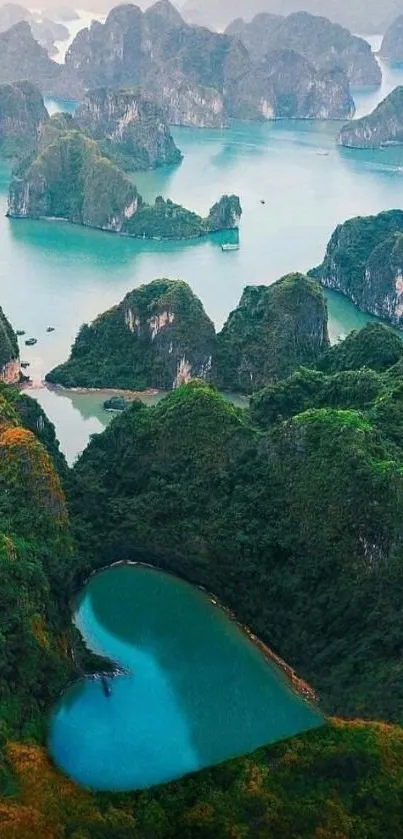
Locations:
(364, 16)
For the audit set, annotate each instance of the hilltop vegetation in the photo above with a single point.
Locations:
(157, 337)
(273, 330)
(364, 261)
(344, 780)
(68, 178)
(35, 560)
(292, 513)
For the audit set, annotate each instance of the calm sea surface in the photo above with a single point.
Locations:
(55, 274)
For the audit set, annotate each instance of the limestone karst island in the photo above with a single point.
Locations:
(201, 420)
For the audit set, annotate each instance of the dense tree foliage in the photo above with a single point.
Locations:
(341, 782)
(292, 512)
(35, 568)
(156, 337)
(297, 528)
(273, 330)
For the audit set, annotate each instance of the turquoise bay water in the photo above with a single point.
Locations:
(55, 274)
(197, 690)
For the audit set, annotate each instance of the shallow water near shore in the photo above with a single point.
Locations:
(197, 690)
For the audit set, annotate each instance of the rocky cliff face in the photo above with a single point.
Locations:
(9, 353)
(21, 57)
(130, 129)
(392, 44)
(70, 179)
(273, 330)
(325, 44)
(384, 127)
(201, 78)
(364, 261)
(159, 336)
(43, 28)
(22, 114)
(286, 85)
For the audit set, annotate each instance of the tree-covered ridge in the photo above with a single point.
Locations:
(364, 261)
(292, 515)
(68, 178)
(158, 337)
(35, 570)
(9, 350)
(273, 330)
(345, 780)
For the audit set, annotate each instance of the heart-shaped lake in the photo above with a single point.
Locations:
(197, 689)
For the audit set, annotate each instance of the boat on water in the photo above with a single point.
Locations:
(106, 687)
(50, 329)
(228, 246)
(322, 153)
(30, 342)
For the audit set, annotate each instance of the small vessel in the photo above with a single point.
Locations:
(24, 364)
(106, 686)
(30, 342)
(322, 153)
(262, 201)
(50, 329)
(20, 332)
(228, 246)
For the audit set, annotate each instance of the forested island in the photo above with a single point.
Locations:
(69, 179)
(160, 337)
(363, 260)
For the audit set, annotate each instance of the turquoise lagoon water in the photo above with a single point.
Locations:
(197, 690)
(55, 274)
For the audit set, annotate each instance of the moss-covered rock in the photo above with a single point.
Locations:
(22, 114)
(273, 330)
(159, 336)
(363, 260)
(130, 129)
(375, 347)
(384, 127)
(68, 178)
(9, 352)
(35, 568)
(297, 528)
